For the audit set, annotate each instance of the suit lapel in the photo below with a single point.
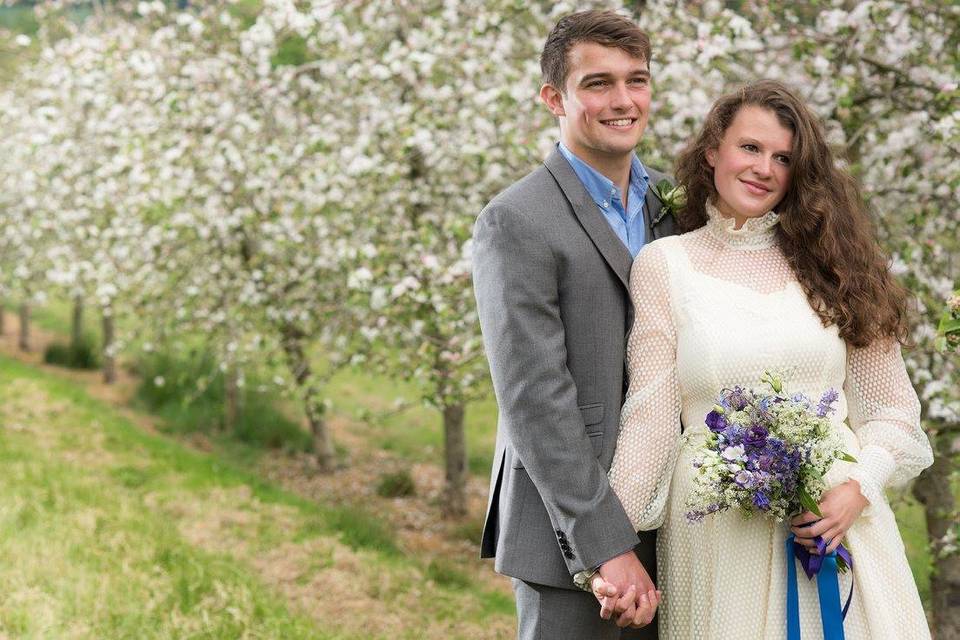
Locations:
(653, 213)
(608, 244)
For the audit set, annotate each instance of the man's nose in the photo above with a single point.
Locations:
(621, 97)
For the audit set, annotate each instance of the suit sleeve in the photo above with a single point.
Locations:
(517, 289)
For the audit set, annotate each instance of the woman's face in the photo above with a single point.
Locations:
(751, 167)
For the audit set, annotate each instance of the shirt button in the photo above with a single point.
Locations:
(605, 204)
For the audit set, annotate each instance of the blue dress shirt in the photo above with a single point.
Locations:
(629, 224)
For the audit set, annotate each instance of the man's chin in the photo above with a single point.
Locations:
(620, 147)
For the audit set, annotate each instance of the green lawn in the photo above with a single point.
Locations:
(112, 532)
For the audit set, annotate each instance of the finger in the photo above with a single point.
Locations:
(626, 618)
(813, 530)
(644, 612)
(804, 518)
(602, 588)
(626, 601)
(606, 607)
(805, 542)
(835, 542)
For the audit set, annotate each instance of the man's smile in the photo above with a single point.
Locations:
(619, 123)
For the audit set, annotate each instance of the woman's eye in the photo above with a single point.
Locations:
(784, 160)
(749, 147)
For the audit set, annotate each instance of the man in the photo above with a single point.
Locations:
(552, 257)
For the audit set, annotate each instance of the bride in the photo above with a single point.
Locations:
(779, 270)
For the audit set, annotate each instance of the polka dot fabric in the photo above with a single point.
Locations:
(716, 308)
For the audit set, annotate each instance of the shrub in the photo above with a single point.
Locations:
(188, 392)
(396, 485)
(82, 355)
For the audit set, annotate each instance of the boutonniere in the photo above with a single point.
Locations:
(671, 198)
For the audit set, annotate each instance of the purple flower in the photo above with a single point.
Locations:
(826, 402)
(744, 479)
(737, 398)
(716, 421)
(760, 501)
(756, 436)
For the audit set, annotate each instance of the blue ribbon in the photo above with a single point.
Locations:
(824, 566)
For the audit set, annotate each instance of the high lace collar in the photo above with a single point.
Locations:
(756, 233)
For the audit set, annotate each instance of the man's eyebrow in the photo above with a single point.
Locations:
(605, 75)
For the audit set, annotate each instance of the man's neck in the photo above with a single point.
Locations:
(616, 168)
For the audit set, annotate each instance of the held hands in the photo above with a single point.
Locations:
(624, 576)
(840, 506)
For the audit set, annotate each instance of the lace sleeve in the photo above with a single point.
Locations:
(650, 418)
(884, 413)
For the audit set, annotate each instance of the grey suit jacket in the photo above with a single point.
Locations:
(551, 280)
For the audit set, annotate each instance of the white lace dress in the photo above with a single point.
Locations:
(715, 308)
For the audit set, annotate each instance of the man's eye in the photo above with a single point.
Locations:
(595, 83)
(749, 147)
(640, 81)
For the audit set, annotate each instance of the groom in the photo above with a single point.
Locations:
(552, 257)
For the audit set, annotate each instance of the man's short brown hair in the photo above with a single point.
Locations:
(606, 28)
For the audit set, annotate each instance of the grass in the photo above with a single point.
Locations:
(111, 532)
(415, 432)
(84, 558)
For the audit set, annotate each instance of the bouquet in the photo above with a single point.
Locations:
(767, 452)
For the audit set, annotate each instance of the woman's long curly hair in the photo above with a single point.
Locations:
(825, 231)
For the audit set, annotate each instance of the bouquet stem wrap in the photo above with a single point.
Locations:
(824, 567)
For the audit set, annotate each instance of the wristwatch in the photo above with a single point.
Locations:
(582, 578)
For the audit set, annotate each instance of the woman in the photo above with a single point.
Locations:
(779, 270)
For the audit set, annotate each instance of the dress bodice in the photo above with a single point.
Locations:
(715, 308)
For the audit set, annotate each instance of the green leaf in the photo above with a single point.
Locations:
(847, 457)
(949, 324)
(808, 502)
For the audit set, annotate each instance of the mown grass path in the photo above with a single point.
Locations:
(108, 531)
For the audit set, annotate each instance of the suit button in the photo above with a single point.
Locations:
(570, 555)
(565, 546)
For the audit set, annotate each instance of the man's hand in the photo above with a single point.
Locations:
(840, 506)
(625, 575)
(637, 611)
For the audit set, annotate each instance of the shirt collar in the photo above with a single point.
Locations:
(600, 187)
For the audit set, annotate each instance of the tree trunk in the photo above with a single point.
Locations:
(76, 326)
(24, 342)
(3, 320)
(231, 383)
(299, 366)
(455, 459)
(933, 490)
(109, 359)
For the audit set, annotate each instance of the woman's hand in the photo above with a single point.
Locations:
(630, 609)
(840, 506)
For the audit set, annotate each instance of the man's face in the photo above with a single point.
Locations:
(604, 107)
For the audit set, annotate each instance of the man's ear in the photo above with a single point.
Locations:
(552, 97)
(712, 157)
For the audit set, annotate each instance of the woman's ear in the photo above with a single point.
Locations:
(712, 157)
